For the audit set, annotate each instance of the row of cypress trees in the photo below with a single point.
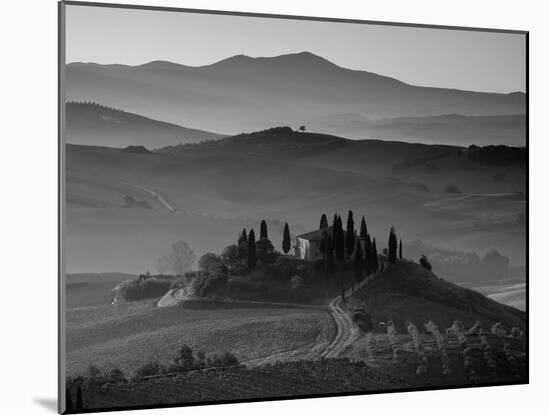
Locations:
(249, 246)
(392, 247)
(335, 247)
(338, 248)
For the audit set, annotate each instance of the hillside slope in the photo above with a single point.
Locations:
(408, 292)
(98, 125)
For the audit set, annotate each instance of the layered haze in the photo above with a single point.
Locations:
(241, 94)
(215, 188)
(397, 153)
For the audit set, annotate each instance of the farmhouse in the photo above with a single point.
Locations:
(307, 244)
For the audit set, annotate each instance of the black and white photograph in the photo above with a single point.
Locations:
(260, 207)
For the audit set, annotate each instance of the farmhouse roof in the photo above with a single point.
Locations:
(315, 235)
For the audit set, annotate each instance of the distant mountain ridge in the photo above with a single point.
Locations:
(241, 93)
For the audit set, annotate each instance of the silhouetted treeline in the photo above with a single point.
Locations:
(92, 105)
(497, 155)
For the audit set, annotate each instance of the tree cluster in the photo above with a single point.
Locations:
(338, 247)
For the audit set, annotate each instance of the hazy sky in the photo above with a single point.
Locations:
(480, 61)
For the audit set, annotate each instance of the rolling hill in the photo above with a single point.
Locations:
(94, 124)
(218, 187)
(406, 292)
(245, 94)
(452, 129)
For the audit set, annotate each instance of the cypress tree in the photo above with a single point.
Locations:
(68, 400)
(323, 249)
(251, 257)
(243, 246)
(374, 255)
(323, 243)
(330, 256)
(263, 230)
(363, 233)
(339, 242)
(350, 234)
(400, 249)
(334, 228)
(358, 262)
(79, 398)
(392, 246)
(243, 237)
(339, 251)
(324, 223)
(368, 255)
(286, 239)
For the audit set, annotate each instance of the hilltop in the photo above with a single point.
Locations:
(406, 291)
(485, 169)
(100, 125)
(274, 142)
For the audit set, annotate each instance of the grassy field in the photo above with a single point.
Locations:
(127, 335)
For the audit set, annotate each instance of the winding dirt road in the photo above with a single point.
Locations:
(160, 199)
(346, 332)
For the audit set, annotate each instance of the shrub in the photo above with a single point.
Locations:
(152, 368)
(211, 263)
(225, 359)
(498, 330)
(95, 376)
(516, 332)
(282, 269)
(239, 269)
(145, 287)
(265, 251)
(184, 358)
(93, 371)
(117, 376)
(425, 263)
(231, 256)
(362, 319)
(203, 285)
